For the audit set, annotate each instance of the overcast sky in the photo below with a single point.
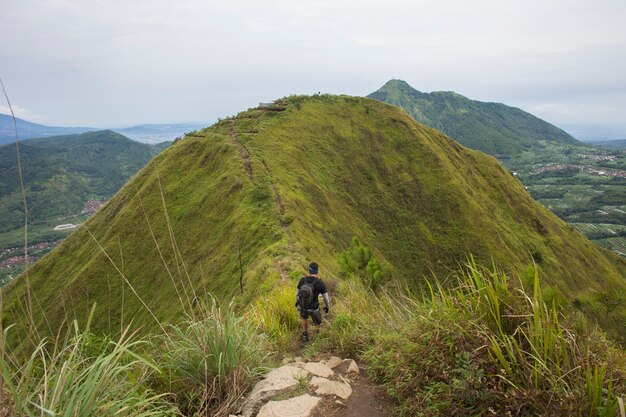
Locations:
(109, 63)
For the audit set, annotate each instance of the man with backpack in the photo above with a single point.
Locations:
(309, 289)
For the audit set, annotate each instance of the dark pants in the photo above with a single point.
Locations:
(316, 315)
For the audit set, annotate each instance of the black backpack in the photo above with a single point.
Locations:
(305, 296)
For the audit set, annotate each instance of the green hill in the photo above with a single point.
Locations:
(61, 173)
(494, 128)
(249, 200)
(575, 180)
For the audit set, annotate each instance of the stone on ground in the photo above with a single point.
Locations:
(328, 387)
(301, 406)
(318, 369)
(352, 367)
(278, 381)
(333, 362)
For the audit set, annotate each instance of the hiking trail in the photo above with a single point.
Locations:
(246, 158)
(243, 151)
(331, 387)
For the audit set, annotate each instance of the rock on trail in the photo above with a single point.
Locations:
(325, 388)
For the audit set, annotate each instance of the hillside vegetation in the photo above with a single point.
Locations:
(494, 128)
(61, 173)
(577, 181)
(238, 203)
(487, 346)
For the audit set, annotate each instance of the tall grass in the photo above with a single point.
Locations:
(201, 367)
(276, 317)
(31, 327)
(209, 361)
(362, 315)
(482, 347)
(78, 377)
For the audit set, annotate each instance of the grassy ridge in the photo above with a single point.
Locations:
(207, 229)
(271, 188)
(581, 190)
(416, 197)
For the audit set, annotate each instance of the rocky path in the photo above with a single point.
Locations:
(332, 387)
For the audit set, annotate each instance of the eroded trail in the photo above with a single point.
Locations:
(332, 387)
(367, 399)
(246, 159)
(243, 151)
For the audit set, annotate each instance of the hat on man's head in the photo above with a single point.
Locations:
(313, 268)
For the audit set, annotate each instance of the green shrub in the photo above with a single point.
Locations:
(359, 261)
(433, 367)
(361, 316)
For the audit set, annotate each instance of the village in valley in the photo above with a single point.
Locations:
(12, 258)
(585, 186)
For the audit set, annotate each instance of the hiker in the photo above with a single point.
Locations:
(309, 289)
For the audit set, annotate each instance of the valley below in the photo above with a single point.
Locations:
(43, 237)
(583, 185)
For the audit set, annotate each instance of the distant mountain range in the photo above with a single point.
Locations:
(156, 133)
(610, 144)
(494, 128)
(146, 133)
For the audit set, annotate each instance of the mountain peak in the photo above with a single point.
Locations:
(494, 128)
(397, 84)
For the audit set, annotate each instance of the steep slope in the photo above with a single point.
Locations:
(249, 200)
(61, 173)
(494, 128)
(28, 130)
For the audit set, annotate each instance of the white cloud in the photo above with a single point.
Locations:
(104, 62)
(22, 113)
